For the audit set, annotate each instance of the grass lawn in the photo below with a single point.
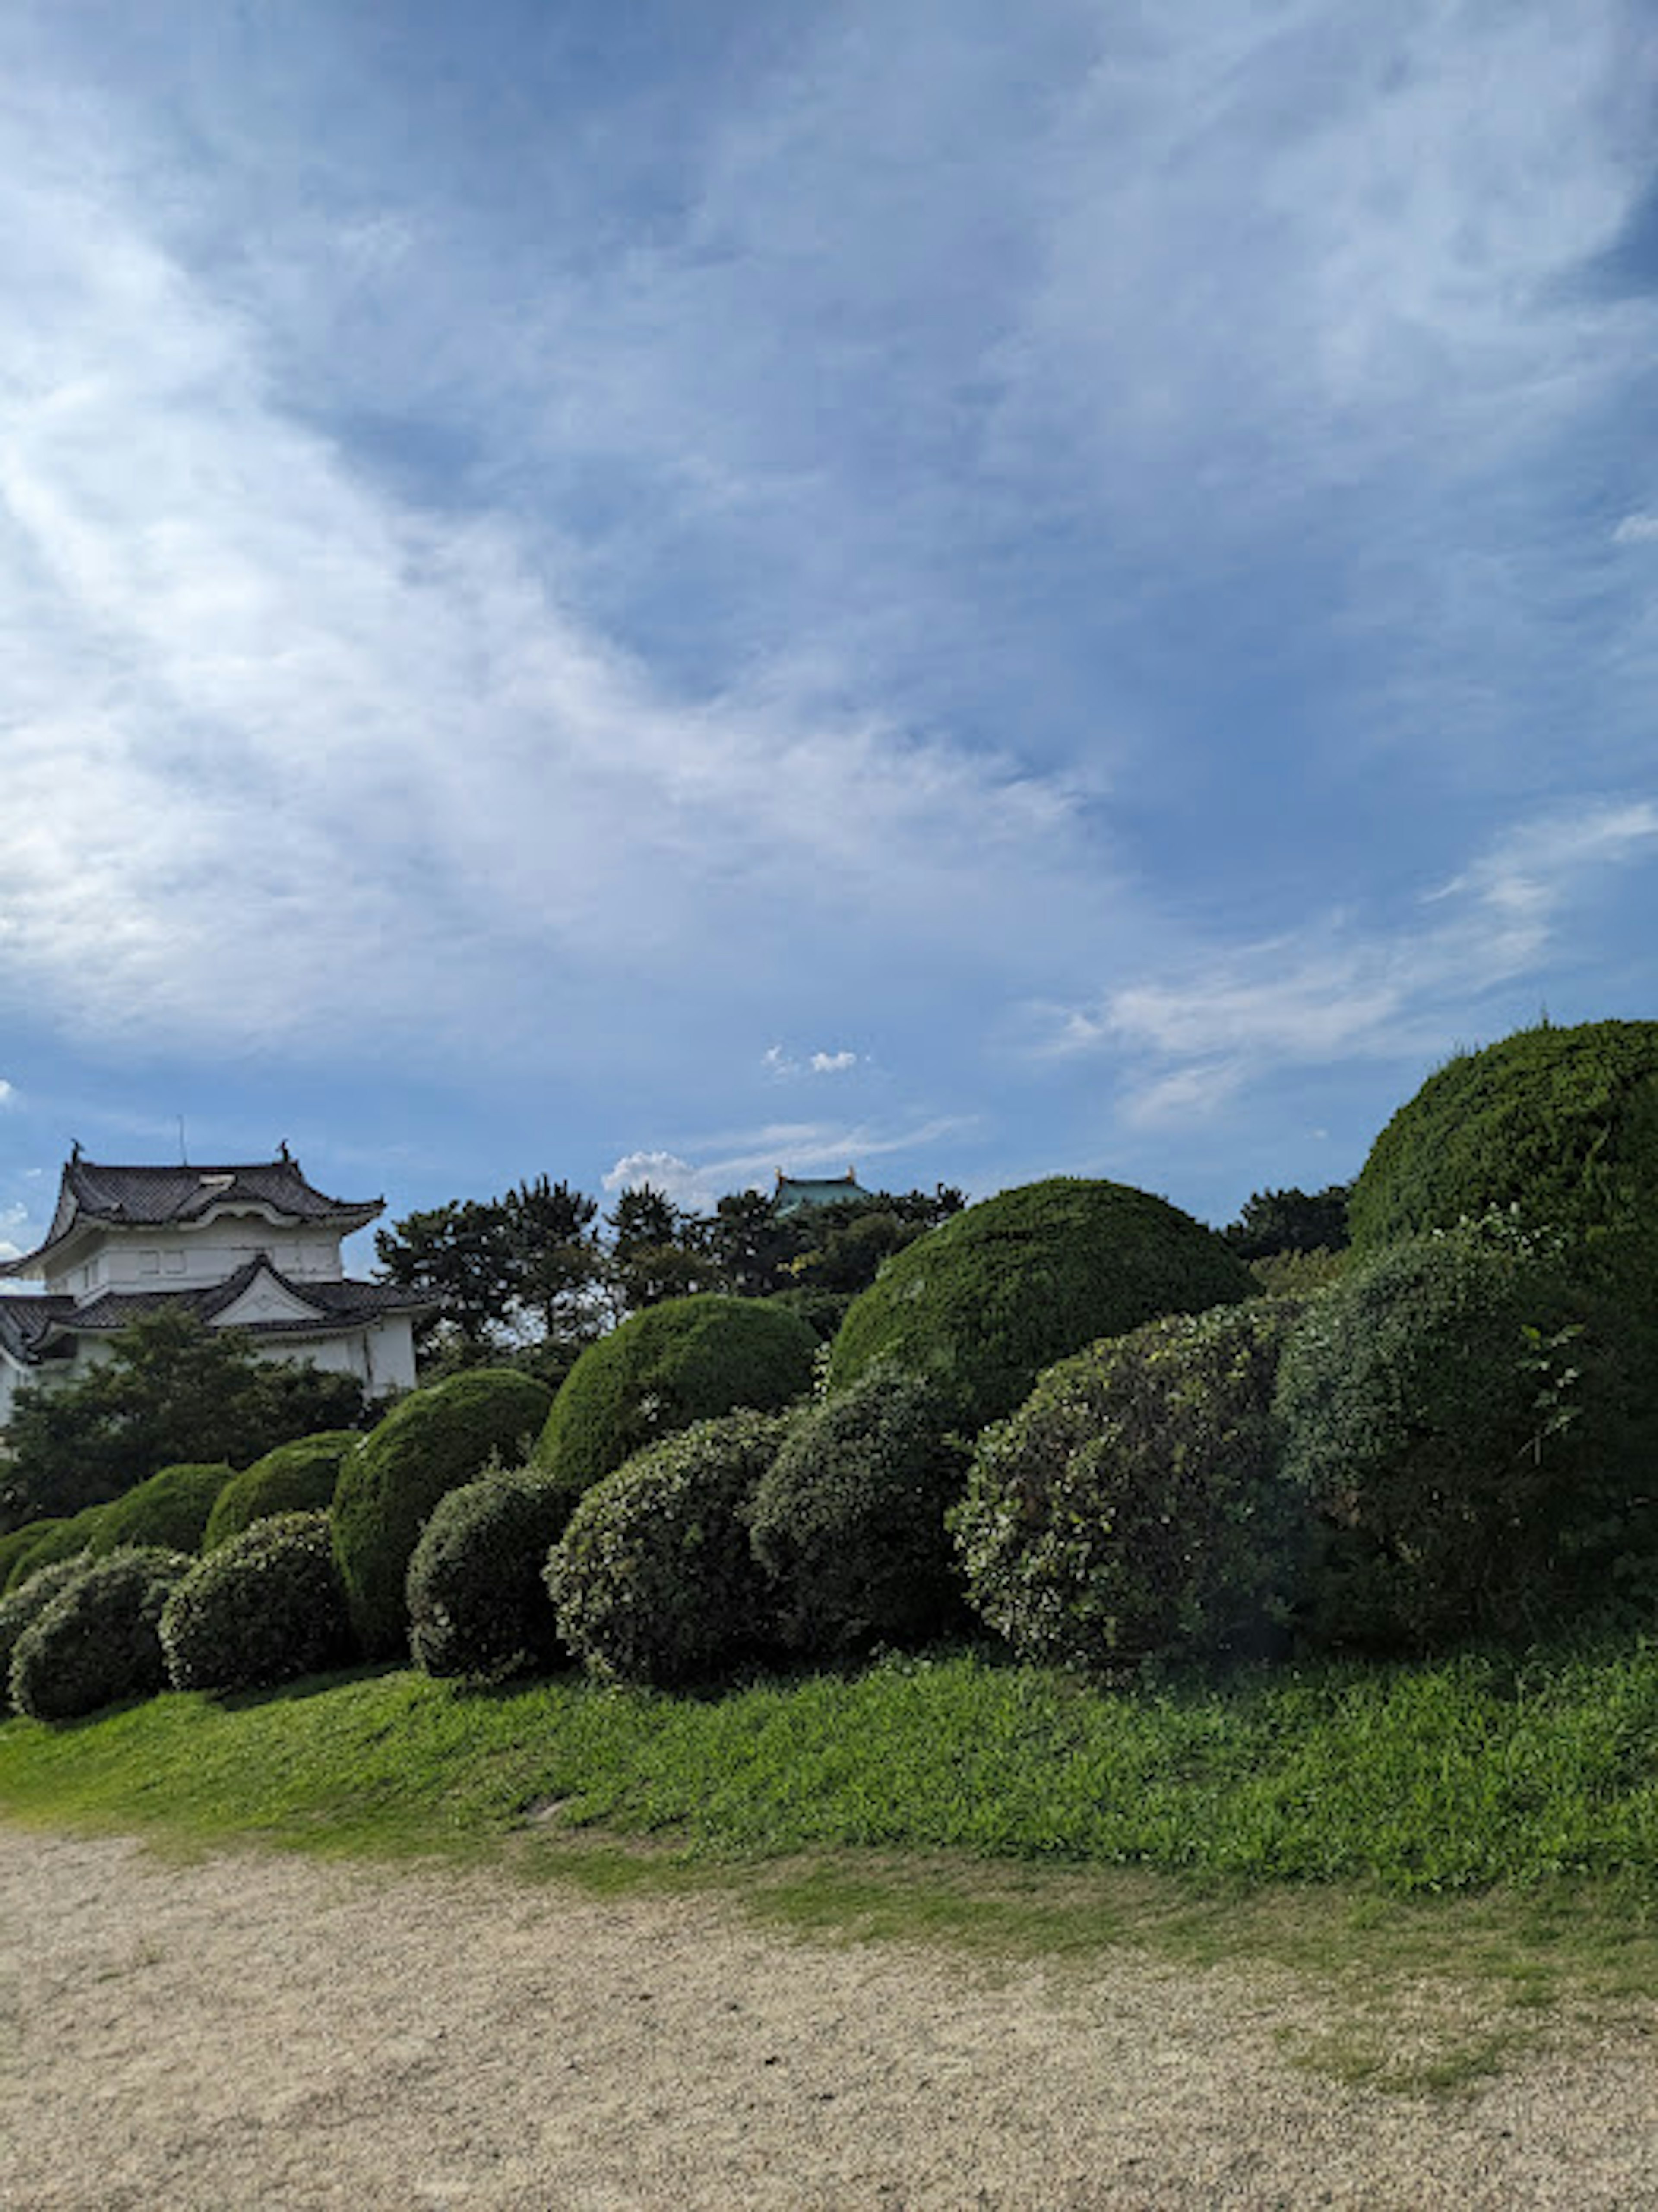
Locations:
(1487, 1814)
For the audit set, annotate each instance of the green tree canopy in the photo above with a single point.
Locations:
(1293, 1220)
(173, 1390)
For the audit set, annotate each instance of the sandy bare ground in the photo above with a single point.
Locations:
(255, 2031)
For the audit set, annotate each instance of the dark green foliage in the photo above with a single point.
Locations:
(757, 1253)
(173, 1390)
(1134, 1506)
(1457, 1411)
(497, 1264)
(983, 1303)
(171, 1509)
(656, 1253)
(13, 1548)
(23, 1606)
(822, 1311)
(296, 1478)
(52, 1540)
(849, 1521)
(477, 1600)
(1560, 1123)
(683, 1361)
(432, 1443)
(98, 1640)
(266, 1607)
(1274, 1221)
(654, 1580)
(1298, 1274)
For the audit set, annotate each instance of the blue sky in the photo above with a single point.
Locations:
(646, 590)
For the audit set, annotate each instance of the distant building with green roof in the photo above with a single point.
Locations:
(795, 1192)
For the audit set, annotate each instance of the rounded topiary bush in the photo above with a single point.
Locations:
(295, 1478)
(849, 1519)
(23, 1606)
(1560, 1124)
(477, 1597)
(654, 1580)
(51, 1541)
(98, 1640)
(982, 1303)
(686, 1360)
(1135, 1507)
(434, 1441)
(14, 1545)
(170, 1509)
(1457, 1412)
(266, 1606)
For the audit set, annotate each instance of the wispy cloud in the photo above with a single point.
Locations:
(1636, 530)
(1338, 992)
(751, 1159)
(272, 712)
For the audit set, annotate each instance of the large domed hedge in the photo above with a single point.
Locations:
(686, 1360)
(1560, 1123)
(981, 1305)
(170, 1509)
(654, 1580)
(431, 1443)
(49, 1541)
(1468, 1420)
(266, 1607)
(295, 1478)
(99, 1638)
(1134, 1506)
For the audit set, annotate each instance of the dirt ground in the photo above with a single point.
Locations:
(257, 2031)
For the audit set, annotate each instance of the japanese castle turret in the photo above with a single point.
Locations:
(254, 1248)
(794, 1193)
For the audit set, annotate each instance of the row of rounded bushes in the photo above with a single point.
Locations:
(1064, 1410)
(268, 1606)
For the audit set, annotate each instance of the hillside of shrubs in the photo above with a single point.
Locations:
(1070, 1425)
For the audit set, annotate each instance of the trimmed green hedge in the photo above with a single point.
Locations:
(982, 1303)
(1463, 1416)
(98, 1640)
(295, 1478)
(686, 1360)
(1135, 1506)
(849, 1519)
(477, 1600)
(25, 1605)
(1560, 1123)
(266, 1607)
(52, 1540)
(171, 1509)
(13, 1547)
(654, 1580)
(434, 1441)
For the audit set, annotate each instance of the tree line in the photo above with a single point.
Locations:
(538, 1273)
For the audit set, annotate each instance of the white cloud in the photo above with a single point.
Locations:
(665, 1171)
(8, 1093)
(260, 716)
(784, 1064)
(1636, 529)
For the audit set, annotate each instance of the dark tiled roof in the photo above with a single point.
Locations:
(147, 1198)
(339, 1308)
(28, 1326)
